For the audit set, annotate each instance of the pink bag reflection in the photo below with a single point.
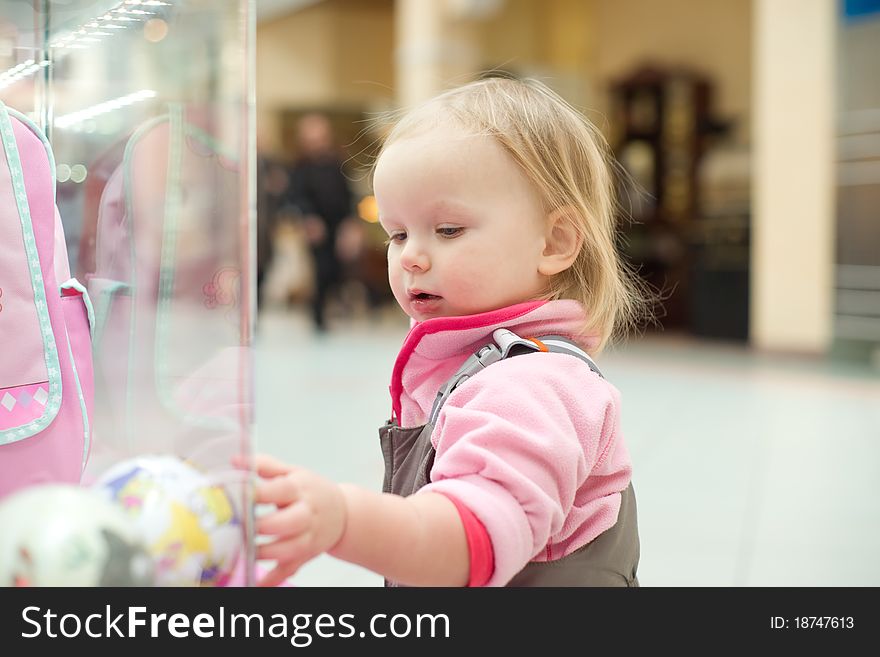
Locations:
(166, 289)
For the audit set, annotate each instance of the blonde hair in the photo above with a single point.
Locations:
(568, 161)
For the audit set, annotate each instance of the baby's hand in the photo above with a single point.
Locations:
(309, 517)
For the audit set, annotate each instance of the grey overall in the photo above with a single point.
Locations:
(611, 559)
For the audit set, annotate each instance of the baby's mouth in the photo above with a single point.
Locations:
(424, 296)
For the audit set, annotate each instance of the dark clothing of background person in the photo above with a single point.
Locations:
(321, 193)
(272, 185)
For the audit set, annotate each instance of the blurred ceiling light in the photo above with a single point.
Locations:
(368, 210)
(76, 118)
(124, 12)
(78, 173)
(155, 30)
(21, 71)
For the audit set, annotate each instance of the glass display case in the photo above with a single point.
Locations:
(148, 107)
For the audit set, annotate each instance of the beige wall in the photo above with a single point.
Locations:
(580, 46)
(342, 52)
(365, 47)
(553, 40)
(510, 39)
(336, 53)
(713, 36)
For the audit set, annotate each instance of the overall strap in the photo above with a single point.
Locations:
(507, 343)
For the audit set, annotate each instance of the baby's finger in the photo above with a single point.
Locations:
(286, 521)
(268, 466)
(285, 549)
(278, 490)
(240, 462)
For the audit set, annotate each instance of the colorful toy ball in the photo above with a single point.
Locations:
(192, 530)
(66, 535)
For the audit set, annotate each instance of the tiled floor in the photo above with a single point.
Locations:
(749, 469)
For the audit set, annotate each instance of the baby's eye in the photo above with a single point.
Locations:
(395, 238)
(450, 231)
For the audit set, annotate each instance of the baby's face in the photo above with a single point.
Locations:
(466, 229)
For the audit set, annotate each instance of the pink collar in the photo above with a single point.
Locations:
(562, 317)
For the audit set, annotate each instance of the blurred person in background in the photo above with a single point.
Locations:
(321, 194)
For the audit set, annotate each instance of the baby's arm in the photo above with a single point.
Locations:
(417, 540)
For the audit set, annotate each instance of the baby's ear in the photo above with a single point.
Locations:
(562, 241)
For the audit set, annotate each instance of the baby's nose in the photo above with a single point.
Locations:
(414, 257)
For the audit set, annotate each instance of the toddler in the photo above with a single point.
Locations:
(505, 462)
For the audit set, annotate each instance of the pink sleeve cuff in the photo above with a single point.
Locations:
(482, 557)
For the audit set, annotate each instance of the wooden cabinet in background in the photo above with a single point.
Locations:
(661, 127)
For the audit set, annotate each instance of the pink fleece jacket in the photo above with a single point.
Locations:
(531, 445)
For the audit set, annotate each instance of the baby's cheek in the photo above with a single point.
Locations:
(396, 283)
(473, 289)
(393, 272)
